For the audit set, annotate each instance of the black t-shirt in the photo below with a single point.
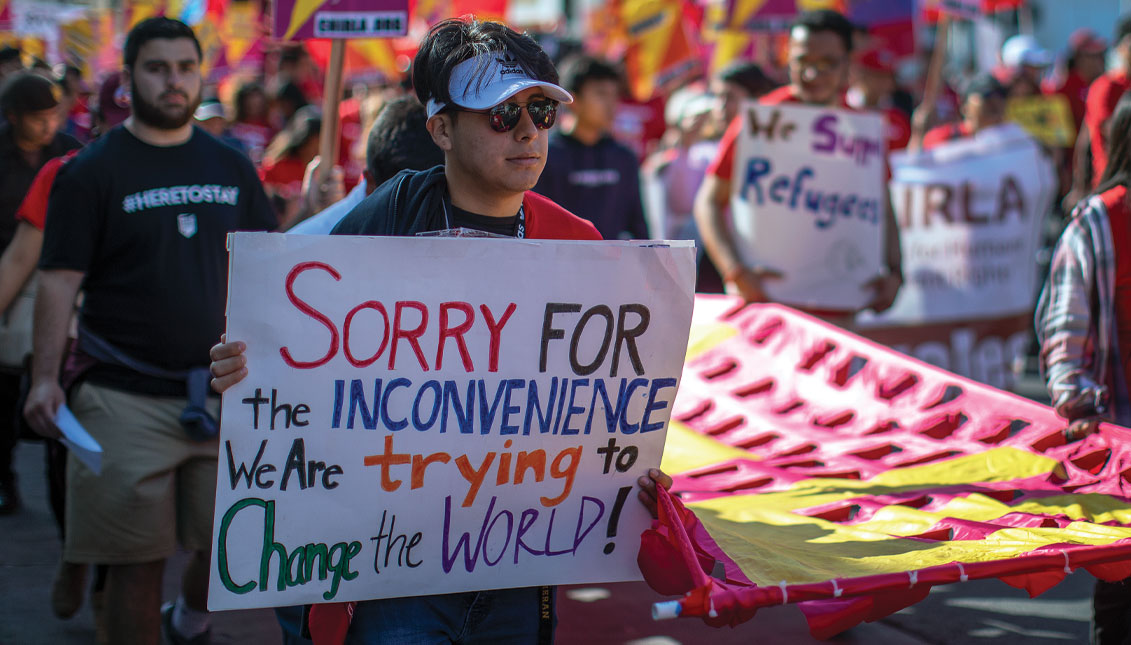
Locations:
(497, 225)
(147, 225)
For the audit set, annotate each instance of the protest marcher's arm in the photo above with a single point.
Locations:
(229, 365)
(886, 286)
(711, 204)
(319, 192)
(1064, 325)
(54, 305)
(18, 262)
(923, 117)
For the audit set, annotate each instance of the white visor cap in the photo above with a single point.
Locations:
(489, 79)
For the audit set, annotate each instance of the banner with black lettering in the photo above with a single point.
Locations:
(970, 214)
(807, 201)
(434, 415)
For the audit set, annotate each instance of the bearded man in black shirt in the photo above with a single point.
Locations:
(139, 220)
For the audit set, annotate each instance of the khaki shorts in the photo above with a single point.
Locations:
(157, 486)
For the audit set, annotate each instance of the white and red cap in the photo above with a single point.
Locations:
(487, 80)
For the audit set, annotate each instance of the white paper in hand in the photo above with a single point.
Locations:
(78, 440)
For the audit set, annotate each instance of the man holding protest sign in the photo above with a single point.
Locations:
(819, 48)
(491, 95)
(146, 242)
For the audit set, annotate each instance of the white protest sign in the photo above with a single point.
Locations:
(808, 201)
(433, 415)
(970, 214)
(44, 19)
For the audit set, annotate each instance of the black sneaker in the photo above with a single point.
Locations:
(9, 497)
(174, 638)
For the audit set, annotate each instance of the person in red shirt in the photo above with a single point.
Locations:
(284, 163)
(873, 88)
(1083, 323)
(1083, 65)
(1104, 95)
(983, 106)
(820, 44)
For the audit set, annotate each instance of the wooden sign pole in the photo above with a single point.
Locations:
(331, 99)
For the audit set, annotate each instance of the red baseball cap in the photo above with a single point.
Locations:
(877, 60)
(1085, 41)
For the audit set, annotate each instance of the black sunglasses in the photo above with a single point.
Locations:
(505, 116)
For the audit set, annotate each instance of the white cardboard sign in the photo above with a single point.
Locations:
(434, 415)
(970, 215)
(808, 201)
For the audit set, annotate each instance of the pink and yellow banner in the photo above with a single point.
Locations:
(816, 467)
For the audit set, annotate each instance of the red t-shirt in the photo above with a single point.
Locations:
(1115, 201)
(1102, 97)
(939, 135)
(898, 128)
(284, 177)
(33, 209)
(545, 220)
(723, 164)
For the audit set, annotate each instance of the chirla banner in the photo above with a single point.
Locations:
(970, 214)
(434, 415)
(808, 202)
(304, 19)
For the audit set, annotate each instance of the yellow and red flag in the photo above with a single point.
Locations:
(661, 47)
(816, 467)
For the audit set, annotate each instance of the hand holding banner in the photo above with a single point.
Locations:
(433, 415)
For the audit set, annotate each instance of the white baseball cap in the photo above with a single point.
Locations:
(487, 80)
(1023, 49)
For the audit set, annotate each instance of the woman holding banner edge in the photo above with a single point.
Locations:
(1083, 323)
(490, 94)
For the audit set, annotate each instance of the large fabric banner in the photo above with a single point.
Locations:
(970, 215)
(434, 415)
(808, 201)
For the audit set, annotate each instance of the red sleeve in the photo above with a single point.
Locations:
(723, 164)
(548, 221)
(937, 136)
(33, 209)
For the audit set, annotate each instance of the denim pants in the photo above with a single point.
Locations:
(522, 616)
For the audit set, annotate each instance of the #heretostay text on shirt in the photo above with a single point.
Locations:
(176, 195)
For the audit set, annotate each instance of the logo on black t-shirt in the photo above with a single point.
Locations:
(186, 224)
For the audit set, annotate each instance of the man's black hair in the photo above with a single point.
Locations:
(748, 76)
(152, 29)
(399, 140)
(579, 70)
(1122, 29)
(453, 41)
(827, 20)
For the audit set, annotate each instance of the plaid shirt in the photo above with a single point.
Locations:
(1075, 321)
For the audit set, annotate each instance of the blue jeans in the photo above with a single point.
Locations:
(522, 616)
